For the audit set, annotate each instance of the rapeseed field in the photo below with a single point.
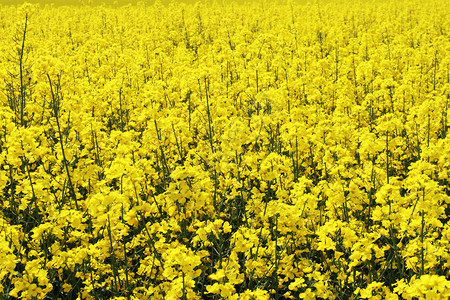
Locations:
(221, 150)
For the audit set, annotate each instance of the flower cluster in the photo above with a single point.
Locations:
(225, 151)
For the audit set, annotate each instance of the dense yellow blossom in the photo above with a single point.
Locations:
(219, 150)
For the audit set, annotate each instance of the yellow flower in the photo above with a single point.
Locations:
(367, 293)
(298, 283)
(226, 227)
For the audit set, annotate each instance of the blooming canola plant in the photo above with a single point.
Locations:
(225, 150)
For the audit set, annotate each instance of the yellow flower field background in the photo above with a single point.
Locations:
(225, 151)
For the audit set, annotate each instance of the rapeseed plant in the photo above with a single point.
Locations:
(225, 151)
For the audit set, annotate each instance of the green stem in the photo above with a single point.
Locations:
(56, 109)
(22, 87)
